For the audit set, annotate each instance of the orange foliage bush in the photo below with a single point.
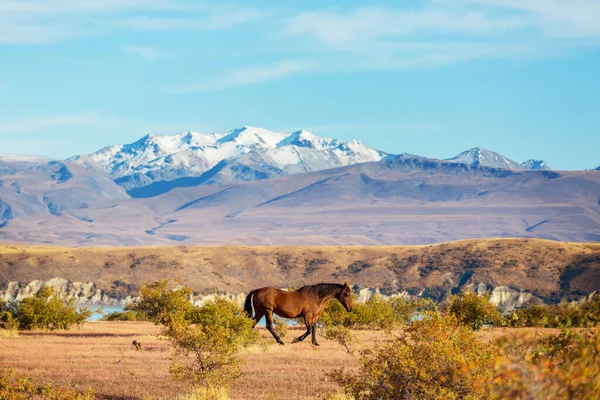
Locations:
(441, 358)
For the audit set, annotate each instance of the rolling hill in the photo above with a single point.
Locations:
(401, 200)
(547, 270)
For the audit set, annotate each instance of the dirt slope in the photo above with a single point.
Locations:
(549, 269)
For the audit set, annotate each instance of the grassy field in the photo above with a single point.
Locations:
(101, 355)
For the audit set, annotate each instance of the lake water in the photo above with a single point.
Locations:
(107, 309)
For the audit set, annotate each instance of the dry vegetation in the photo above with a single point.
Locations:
(101, 355)
(549, 269)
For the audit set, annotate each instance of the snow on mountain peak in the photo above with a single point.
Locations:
(479, 156)
(190, 154)
(251, 136)
(304, 138)
(535, 164)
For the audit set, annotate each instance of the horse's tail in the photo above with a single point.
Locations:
(248, 308)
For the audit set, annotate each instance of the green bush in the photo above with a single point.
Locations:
(45, 310)
(376, 313)
(7, 319)
(160, 305)
(563, 315)
(473, 310)
(125, 315)
(280, 325)
(342, 335)
(207, 340)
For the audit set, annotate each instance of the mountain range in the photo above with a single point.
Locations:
(157, 164)
(255, 186)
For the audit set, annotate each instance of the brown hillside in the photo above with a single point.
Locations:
(549, 269)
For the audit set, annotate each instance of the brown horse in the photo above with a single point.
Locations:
(307, 302)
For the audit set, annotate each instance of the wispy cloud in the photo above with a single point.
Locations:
(221, 19)
(443, 32)
(557, 18)
(247, 76)
(364, 25)
(14, 127)
(44, 22)
(147, 52)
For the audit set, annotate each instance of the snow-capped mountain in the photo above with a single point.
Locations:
(242, 154)
(482, 157)
(535, 164)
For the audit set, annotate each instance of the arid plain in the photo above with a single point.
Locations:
(100, 355)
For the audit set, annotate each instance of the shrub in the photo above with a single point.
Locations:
(125, 315)
(342, 335)
(409, 310)
(7, 319)
(473, 310)
(564, 366)
(45, 310)
(563, 315)
(376, 313)
(157, 303)
(206, 339)
(533, 316)
(18, 388)
(280, 326)
(437, 358)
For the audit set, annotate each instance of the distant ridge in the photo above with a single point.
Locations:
(155, 164)
(482, 157)
(402, 199)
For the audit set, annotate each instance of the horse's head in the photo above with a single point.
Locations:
(345, 297)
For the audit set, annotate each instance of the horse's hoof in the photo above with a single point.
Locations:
(295, 340)
(281, 343)
(316, 344)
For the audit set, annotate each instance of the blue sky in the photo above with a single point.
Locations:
(434, 78)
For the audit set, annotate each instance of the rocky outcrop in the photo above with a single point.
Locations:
(505, 298)
(86, 293)
(82, 292)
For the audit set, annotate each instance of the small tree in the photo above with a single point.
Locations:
(44, 310)
(163, 306)
(473, 310)
(342, 335)
(212, 335)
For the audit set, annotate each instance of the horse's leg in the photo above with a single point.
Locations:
(302, 337)
(257, 317)
(314, 333)
(269, 318)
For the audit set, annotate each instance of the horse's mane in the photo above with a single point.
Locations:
(321, 289)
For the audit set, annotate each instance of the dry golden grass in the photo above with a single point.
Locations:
(543, 266)
(101, 356)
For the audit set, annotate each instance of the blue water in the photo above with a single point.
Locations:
(106, 309)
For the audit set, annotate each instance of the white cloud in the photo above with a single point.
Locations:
(14, 127)
(443, 32)
(247, 76)
(364, 25)
(43, 22)
(557, 18)
(148, 52)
